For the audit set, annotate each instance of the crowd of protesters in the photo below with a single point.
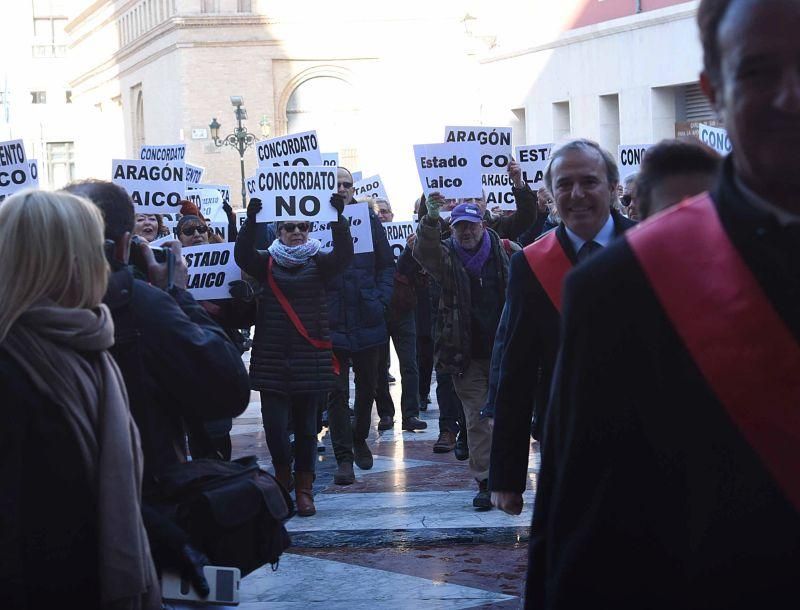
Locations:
(670, 485)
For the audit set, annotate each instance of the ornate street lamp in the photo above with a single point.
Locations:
(240, 139)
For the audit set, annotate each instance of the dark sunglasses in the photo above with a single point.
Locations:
(626, 200)
(289, 227)
(190, 230)
(346, 185)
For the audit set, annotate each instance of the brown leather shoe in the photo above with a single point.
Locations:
(344, 474)
(284, 476)
(304, 493)
(445, 443)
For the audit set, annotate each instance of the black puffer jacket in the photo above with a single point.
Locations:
(281, 360)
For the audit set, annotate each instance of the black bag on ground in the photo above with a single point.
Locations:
(233, 511)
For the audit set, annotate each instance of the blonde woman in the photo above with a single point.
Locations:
(71, 531)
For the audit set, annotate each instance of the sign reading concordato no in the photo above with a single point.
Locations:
(294, 193)
(294, 149)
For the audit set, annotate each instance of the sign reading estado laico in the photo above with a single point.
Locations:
(156, 187)
(495, 143)
(16, 171)
(294, 149)
(629, 158)
(454, 170)
(294, 193)
(533, 159)
(360, 229)
(715, 137)
(211, 268)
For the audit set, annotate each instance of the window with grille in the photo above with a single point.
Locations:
(38, 97)
(60, 163)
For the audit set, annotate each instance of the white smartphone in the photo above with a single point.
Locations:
(223, 584)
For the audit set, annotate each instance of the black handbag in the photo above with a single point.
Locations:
(233, 511)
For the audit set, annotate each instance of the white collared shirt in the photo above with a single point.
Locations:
(603, 237)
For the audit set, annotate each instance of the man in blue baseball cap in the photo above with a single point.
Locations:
(471, 267)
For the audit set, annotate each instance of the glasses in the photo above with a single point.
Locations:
(626, 200)
(191, 230)
(346, 185)
(289, 227)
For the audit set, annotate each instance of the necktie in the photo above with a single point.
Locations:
(587, 249)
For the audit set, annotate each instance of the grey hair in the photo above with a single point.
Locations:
(377, 200)
(630, 178)
(582, 144)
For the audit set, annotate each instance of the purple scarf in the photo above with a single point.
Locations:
(474, 261)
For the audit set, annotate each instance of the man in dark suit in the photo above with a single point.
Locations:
(585, 178)
(677, 486)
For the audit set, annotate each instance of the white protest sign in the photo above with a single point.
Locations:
(156, 187)
(294, 149)
(16, 172)
(223, 189)
(716, 137)
(211, 268)
(629, 158)
(360, 229)
(495, 143)
(356, 177)
(397, 233)
(294, 193)
(34, 175)
(497, 191)
(454, 170)
(330, 159)
(533, 159)
(368, 188)
(209, 202)
(241, 217)
(166, 152)
(194, 173)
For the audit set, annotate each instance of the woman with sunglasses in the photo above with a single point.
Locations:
(291, 362)
(192, 228)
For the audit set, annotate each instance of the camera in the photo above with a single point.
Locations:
(161, 255)
(223, 584)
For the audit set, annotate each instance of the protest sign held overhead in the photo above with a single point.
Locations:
(166, 152)
(495, 143)
(368, 188)
(357, 176)
(716, 137)
(209, 202)
(211, 268)
(194, 173)
(224, 190)
(330, 159)
(294, 149)
(533, 159)
(360, 229)
(629, 158)
(215, 228)
(454, 170)
(397, 233)
(16, 171)
(497, 191)
(294, 193)
(156, 187)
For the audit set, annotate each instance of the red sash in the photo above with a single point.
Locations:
(549, 264)
(744, 350)
(298, 324)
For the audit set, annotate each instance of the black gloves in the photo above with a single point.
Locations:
(191, 565)
(241, 290)
(337, 201)
(253, 208)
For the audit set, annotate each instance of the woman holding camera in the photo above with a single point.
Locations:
(291, 362)
(71, 468)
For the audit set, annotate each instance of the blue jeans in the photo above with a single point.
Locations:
(403, 332)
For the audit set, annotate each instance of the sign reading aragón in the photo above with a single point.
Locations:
(454, 170)
(211, 268)
(495, 143)
(156, 187)
(295, 149)
(294, 193)
(497, 191)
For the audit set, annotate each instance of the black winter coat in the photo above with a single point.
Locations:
(281, 360)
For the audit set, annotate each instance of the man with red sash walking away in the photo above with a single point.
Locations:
(583, 178)
(679, 486)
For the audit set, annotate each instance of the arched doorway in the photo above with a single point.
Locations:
(329, 105)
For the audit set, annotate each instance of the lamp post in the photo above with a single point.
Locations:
(240, 139)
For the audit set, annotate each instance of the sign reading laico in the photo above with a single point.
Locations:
(294, 193)
(154, 186)
(451, 169)
(294, 149)
(211, 268)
